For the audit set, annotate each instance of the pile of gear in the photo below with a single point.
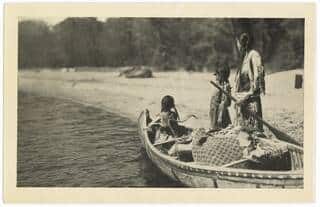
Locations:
(232, 144)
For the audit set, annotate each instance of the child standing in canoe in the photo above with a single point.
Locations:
(219, 115)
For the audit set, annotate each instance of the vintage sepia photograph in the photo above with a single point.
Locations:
(160, 102)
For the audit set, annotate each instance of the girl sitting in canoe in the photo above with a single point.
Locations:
(169, 117)
(169, 120)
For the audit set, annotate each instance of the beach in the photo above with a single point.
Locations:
(282, 104)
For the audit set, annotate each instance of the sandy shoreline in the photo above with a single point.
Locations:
(282, 106)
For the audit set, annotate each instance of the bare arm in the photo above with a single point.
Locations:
(156, 121)
(255, 64)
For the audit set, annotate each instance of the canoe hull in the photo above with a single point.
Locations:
(193, 175)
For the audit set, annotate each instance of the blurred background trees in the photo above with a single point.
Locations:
(193, 44)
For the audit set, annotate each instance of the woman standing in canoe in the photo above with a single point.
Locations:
(249, 84)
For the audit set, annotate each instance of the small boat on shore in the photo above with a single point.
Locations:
(136, 72)
(232, 175)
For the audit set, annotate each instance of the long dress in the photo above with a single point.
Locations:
(218, 107)
(250, 78)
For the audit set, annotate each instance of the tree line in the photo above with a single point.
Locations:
(163, 43)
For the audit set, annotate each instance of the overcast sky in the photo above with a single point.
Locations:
(54, 20)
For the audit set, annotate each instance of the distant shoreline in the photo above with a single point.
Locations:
(283, 105)
(108, 69)
(87, 104)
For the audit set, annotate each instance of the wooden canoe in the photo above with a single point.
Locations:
(195, 175)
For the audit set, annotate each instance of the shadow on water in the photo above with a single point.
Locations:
(152, 174)
(66, 144)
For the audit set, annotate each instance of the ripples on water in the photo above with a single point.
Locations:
(65, 144)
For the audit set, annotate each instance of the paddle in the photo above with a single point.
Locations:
(173, 139)
(164, 142)
(187, 118)
(279, 134)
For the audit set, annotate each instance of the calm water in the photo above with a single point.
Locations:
(61, 143)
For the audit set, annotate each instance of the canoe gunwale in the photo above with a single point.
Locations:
(216, 171)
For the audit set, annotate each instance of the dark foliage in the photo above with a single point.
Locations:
(194, 44)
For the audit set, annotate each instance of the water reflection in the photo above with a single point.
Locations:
(65, 144)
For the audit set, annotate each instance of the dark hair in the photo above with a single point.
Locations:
(244, 39)
(223, 71)
(167, 103)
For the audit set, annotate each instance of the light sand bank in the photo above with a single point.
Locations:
(282, 106)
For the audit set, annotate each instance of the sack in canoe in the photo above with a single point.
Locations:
(231, 144)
